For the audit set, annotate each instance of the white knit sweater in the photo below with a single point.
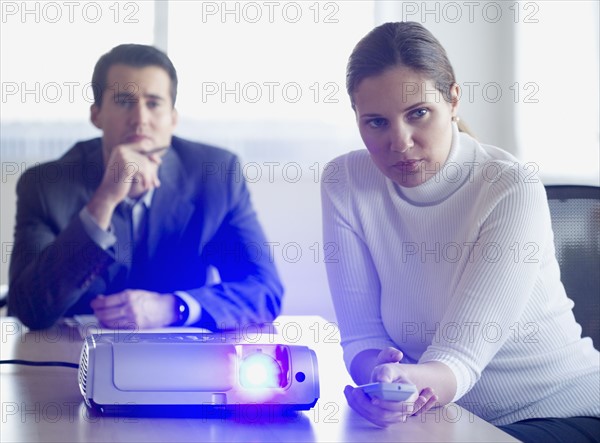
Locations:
(461, 270)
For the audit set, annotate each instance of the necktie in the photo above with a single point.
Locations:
(139, 255)
(123, 230)
(130, 222)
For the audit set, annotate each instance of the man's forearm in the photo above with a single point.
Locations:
(101, 209)
(45, 283)
(231, 305)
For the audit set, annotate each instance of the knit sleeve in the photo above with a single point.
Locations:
(353, 279)
(498, 280)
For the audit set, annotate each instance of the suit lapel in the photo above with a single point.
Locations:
(170, 211)
(92, 169)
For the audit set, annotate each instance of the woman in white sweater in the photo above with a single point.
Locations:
(447, 276)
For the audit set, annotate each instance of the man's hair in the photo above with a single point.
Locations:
(137, 56)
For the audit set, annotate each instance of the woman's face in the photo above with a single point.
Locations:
(405, 124)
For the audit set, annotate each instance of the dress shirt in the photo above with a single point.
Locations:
(138, 208)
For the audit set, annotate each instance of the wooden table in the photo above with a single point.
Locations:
(43, 404)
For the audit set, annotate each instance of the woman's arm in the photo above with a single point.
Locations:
(362, 366)
(383, 366)
(494, 288)
(367, 367)
(353, 279)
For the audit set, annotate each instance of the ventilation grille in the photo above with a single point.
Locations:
(83, 370)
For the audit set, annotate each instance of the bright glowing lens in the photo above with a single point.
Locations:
(259, 371)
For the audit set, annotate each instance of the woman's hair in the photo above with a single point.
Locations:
(406, 44)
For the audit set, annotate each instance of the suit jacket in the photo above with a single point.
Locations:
(200, 216)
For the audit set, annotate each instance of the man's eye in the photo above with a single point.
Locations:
(377, 122)
(125, 100)
(153, 104)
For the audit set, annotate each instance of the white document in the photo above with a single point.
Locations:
(88, 325)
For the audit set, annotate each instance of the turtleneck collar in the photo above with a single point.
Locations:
(451, 176)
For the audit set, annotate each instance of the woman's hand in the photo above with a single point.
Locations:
(385, 413)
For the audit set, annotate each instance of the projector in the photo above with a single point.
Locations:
(154, 372)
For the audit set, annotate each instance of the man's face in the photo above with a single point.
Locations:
(136, 108)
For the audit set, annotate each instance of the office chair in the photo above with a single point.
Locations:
(575, 213)
(3, 295)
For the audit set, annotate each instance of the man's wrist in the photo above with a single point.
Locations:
(101, 210)
(105, 238)
(181, 311)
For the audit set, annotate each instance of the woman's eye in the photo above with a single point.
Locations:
(377, 122)
(418, 113)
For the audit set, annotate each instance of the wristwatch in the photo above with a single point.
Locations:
(182, 311)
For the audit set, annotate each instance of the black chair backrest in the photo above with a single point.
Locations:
(575, 213)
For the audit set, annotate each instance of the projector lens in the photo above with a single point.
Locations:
(259, 370)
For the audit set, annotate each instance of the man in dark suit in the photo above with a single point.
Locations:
(129, 225)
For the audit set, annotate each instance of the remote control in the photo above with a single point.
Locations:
(389, 391)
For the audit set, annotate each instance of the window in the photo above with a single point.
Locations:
(267, 78)
(557, 69)
(49, 50)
